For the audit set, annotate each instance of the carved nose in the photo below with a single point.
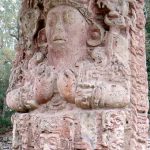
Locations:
(59, 33)
(59, 26)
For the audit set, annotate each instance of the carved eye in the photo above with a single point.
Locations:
(52, 20)
(68, 17)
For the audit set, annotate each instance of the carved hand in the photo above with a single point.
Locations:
(114, 95)
(66, 84)
(44, 83)
(85, 86)
(102, 95)
(84, 94)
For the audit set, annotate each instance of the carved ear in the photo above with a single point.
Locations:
(41, 39)
(96, 35)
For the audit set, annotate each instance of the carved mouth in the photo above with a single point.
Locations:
(59, 40)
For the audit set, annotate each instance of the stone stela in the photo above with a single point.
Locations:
(79, 79)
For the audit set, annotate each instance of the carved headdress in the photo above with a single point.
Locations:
(81, 5)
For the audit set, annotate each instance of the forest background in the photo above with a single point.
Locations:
(8, 38)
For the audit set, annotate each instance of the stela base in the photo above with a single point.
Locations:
(71, 130)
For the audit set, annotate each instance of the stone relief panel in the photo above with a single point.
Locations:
(85, 58)
(81, 64)
(90, 130)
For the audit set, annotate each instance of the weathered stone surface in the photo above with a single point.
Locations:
(69, 130)
(79, 79)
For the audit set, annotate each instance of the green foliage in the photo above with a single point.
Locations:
(8, 37)
(5, 122)
(8, 23)
(5, 114)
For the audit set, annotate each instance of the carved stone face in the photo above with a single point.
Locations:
(66, 30)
